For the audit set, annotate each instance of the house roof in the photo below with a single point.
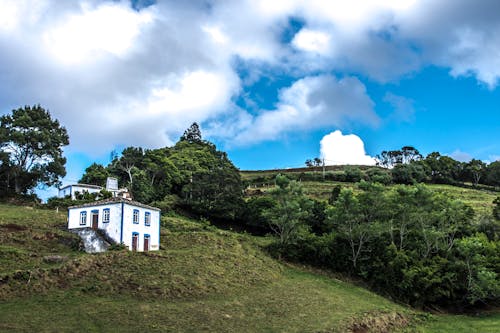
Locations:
(113, 201)
(83, 185)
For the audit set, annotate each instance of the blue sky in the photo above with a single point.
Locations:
(271, 82)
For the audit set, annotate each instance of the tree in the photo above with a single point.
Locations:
(31, 143)
(292, 207)
(95, 174)
(443, 169)
(131, 159)
(410, 154)
(346, 215)
(192, 134)
(475, 169)
(493, 174)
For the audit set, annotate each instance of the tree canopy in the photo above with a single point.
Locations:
(31, 145)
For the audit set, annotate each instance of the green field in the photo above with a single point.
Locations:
(480, 200)
(203, 280)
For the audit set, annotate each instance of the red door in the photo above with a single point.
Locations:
(95, 221)
(146, 243)
(135, 241)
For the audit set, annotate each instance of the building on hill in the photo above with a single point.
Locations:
(124, 221)
(74, 189)
(111, 186)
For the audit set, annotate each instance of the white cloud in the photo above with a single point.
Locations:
(114, 75)
(461, 156)
(339, 149)
(110, 28)
(311, 103)
(313, 41)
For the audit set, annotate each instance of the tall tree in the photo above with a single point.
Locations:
(475, 169)
(95, 174)
(192, 134)
(288, 215)
(33, 142)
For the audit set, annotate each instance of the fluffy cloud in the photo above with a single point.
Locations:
(310, 103)
(339, 149)
(115, 75)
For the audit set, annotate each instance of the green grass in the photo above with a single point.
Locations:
(203, 280)
(461, 324)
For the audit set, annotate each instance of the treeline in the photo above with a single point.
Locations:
(408, 166)
(192, 176)
(408, 242)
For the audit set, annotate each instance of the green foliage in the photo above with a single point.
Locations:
(31, 145)
(286, 218)
(496, 209)
(408, 242)
(192, 134)
(95, 174)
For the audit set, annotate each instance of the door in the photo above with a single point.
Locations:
(146, 243)
(135, 241)
(95, 220)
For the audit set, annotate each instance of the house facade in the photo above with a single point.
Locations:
(124, 221)
(71, 190)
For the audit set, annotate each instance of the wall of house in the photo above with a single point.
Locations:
(112, 228)
(71, 190)
(129, 227)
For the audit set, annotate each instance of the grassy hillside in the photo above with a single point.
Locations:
(479, 199)
(203, 279)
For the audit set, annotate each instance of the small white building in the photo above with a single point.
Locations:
(124, 221)
(71, 190)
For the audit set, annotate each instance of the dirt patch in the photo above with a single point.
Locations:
(377, 322)
(11, 227)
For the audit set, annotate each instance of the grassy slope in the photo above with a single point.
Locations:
(203, 279)
(480, 200)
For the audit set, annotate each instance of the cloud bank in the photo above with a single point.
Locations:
(117, 75)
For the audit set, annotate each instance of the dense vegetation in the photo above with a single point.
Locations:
(408, 242)
(192, 175)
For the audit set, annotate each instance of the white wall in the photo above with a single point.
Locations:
(129, 227)
(112, 228)
(70, 190)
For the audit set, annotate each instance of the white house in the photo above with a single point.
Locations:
(111, 186)
(124, 221)
(70, 190)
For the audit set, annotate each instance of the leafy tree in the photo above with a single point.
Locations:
(208, 181)
(443, 169)
(129, 161)
(309, 163)
(482, 282)
(347, 217)
(192, 134)
(95, 174)
(318, 161)
(31, 143)
(493, 174)
(475, 170)
(496, 208)
(408, 173)
(287, 217)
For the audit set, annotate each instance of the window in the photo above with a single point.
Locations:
(147, 218)
(83, 218)
(135, 217)
(105, 215)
